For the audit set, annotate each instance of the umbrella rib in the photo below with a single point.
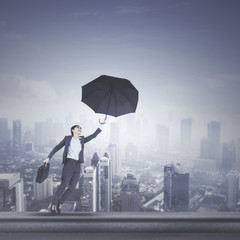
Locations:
(95, 90)
(120, 91)
(103, 98)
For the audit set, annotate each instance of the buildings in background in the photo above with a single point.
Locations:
(176, 188)
(210, 146)
(96, 185)
(17, 137)
(88, 189)
(43, 190)
(5, 144)
(11, 192)
(130, 194)
(232, 190)
(228, 157)
(104, 184)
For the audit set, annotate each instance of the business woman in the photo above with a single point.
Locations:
(73, 157)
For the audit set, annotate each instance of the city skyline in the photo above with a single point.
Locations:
(182, 56)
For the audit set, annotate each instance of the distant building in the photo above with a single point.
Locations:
(214, 142)
(11, 192)
(38, 134)
(176, 188)
(186, 136)
(88, 189)
(204, 148)
(130, 194)
(5, 144)
(229, 156)
(238, 154)
(162, 133)
(210, 146)
(232, 190)
(29, 147)
(115, 159)
(17, 137)
(43, 190)
(104, 184)
(95, 160)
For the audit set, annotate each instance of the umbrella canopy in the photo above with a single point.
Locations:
(110, 95)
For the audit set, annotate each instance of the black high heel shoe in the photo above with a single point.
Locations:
(59, 207)
(53, 209)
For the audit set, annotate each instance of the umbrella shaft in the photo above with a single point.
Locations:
(110, 95)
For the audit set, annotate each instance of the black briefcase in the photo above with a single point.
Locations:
(42, 173)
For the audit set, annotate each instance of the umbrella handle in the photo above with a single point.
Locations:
(104, 121)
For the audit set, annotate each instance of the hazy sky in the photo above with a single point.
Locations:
(182, 55)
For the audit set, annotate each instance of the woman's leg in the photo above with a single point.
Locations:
(73, 182)
(67, 173)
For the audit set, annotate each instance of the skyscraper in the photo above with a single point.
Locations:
(95, 160)
(229, 156)
(130, 194)
(43, 190)
(88, 188)
(162, 133)
(176, 188)
(214, 142)
(115, 159)
(11, 192)
(104, 184)
(204, 148)
(17, 136)
(186, 136)
(238, 154)
(4, 139)
(232, 190)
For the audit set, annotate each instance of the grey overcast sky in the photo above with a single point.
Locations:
(182, 55)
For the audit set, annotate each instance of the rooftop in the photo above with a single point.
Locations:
(115, 225)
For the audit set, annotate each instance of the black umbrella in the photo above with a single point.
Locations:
(110, 95)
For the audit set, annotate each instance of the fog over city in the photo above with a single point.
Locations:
(180, 150)
(182, 56)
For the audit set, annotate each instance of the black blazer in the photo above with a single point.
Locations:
(66, 142)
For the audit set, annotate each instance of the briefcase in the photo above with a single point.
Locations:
(42, 173)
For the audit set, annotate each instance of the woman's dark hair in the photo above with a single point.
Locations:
(73, 128)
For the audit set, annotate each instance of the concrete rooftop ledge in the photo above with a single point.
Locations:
(223, 222)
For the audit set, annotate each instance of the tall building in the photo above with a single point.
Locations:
(214, 142)
(204, 148)
(229, 156)
(88, 188)
(5, 145)
(176, 188)
(95, 160)
(130, 194)
(17, 137)
(162, 133)
(43, 190)
(11, 192)
(38, 134)
(238, 154)
(104, 184)
(232, 190)
(186, 136)
(115, 159)
(4, 131)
